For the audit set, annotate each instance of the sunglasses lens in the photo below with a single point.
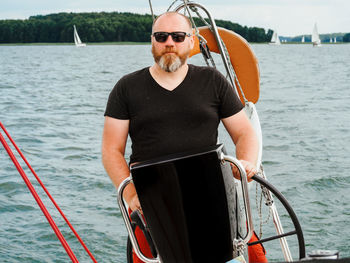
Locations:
(178, 36)
(161, 36)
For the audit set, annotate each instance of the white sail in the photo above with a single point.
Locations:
(77, 40)
(335, 40)
(315, 38)
(303, 39)
(275, 40)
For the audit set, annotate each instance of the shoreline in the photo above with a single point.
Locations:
(72, 44)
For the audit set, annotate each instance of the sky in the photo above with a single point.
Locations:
(287, 17)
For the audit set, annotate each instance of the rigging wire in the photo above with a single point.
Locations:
(150, 6)
(37, 198)
(171, 5)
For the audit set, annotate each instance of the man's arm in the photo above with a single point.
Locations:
(245, 139)
(115, 134)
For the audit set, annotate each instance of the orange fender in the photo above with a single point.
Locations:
(242, 59)
(256, 253)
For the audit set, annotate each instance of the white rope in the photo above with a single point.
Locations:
(259, 207)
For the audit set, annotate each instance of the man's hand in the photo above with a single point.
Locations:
(246, 141)
(249, 169)
(134, 203)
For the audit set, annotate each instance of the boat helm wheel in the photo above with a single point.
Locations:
(297, 228)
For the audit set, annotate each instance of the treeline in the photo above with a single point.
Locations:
(251, 34)
(346, 37)
(339, 37)
(100, 27)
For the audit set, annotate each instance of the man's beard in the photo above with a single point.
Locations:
(169, 62)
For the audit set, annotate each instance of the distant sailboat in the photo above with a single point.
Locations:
(275, 40)
(303, 39)
(335, 40)
(77, 40)
(330, 40)
(315, 38)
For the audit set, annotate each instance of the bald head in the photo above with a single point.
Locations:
(181, 21)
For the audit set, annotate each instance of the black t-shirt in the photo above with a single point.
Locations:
(163, 122)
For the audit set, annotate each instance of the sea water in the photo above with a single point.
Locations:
(52, 100)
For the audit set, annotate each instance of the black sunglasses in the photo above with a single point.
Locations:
(176, 36)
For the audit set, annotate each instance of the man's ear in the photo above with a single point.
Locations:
(192, 39)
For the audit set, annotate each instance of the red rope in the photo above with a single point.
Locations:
(38, 200)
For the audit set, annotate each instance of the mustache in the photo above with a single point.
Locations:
(169, 49)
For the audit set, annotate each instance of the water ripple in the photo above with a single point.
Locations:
(53, 100)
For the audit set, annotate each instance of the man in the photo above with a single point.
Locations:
(171, 107)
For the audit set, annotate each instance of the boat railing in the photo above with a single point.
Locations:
(128, 225)
(224, 56)
(245, 196)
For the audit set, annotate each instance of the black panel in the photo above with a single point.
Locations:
(184, 202)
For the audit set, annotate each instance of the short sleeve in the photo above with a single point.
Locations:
(117, 106)
(230, 102)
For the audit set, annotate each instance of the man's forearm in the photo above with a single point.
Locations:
(247, 147)
(118, 170)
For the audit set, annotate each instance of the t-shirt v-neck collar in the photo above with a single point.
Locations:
(178, 87)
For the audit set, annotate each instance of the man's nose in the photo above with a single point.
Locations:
(169, 41)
